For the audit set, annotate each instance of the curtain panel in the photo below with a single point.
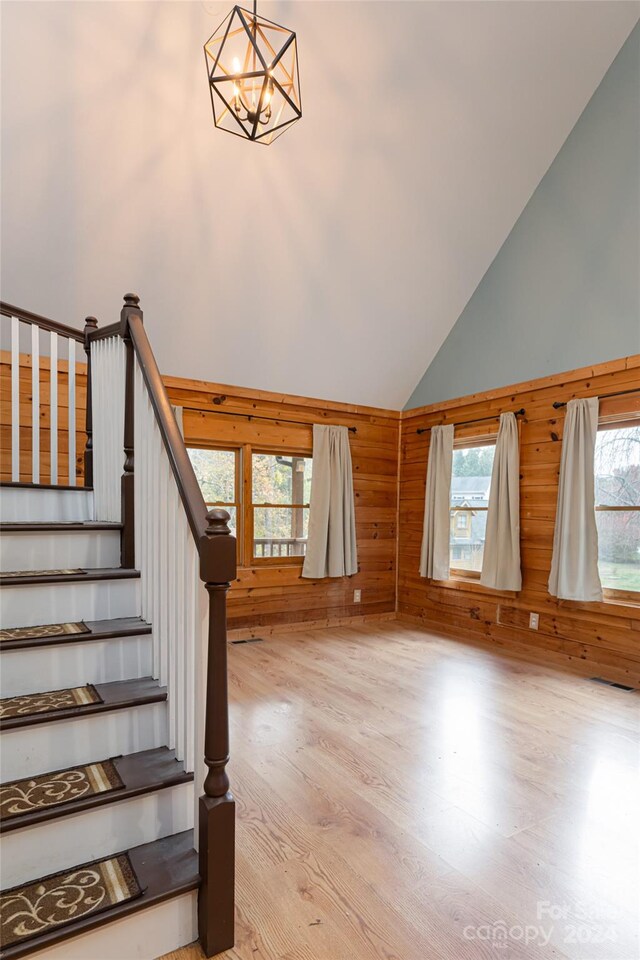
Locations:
(574, 565)
(331, 548)
(501, 559)
(434, 554)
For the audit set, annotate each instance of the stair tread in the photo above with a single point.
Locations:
(143, 772)
(99, 630)
(80, 575)
(165, 869)
(117, 695)
(63, 526)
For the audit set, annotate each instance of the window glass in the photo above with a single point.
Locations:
(470, 483)
(617, 489)
(281, 489)
(217, 475)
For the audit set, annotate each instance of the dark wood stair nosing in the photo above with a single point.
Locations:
(150, 861)
(25, 485)
(89, 575)
(153, 694)
(45, 815)
(141, 629)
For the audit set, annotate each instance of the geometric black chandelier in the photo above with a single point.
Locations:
(252, 64)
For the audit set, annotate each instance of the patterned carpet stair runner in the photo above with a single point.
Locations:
(33, 703)
(32, 909)
(9, 574)
(55, 789)
(44, 630)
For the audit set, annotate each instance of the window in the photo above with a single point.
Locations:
(280, 487)
(217, 472)
(470, 483)
(617, 483)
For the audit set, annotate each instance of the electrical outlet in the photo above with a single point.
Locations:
(357, 596)
(533, 621)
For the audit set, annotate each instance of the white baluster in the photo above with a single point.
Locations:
(35, 403)
(53, 407)
(71, 423)
(15, 399)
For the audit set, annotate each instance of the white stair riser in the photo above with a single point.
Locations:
(28, 605)
(28, 751)
(144, 935)
(61, 550)
(32, 505)
(73, 664)
(58, 844)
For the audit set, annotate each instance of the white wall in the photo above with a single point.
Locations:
(332, 263)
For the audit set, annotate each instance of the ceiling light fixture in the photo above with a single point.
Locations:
(252, 64)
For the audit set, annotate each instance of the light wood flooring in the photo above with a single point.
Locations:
(407, 797)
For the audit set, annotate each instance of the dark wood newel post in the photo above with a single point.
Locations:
(217, 806)
(90, 324)
(127, 537)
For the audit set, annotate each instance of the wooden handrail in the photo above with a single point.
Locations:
(9, 310)
(195, 508)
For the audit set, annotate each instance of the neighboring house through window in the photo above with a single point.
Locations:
(470, 483)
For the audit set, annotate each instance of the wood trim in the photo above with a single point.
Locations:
(248, 633)
(557, 379)
(319, 408)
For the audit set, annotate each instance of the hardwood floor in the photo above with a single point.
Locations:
(407, 797)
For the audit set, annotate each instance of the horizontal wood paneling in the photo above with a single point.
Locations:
(264, 596)
(44, 418)
(604, 634)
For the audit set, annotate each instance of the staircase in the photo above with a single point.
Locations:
(106, 848)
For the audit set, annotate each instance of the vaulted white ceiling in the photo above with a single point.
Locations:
(332, 263)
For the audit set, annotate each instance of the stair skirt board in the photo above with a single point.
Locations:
(144, 935)
(54, 845)
(27, 751)
(58, 900)
(36, 504)
(57, 788)
(23, 605)
(44, 630)
(85, 549)
(38, 669)
(49, 701)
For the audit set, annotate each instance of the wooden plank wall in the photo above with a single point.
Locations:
(45, 419)
(605, 636)
(267, 595)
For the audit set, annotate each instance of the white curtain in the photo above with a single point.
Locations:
(574, 566)
(178, 413)
(331, 547)
(501, 560)
(434, 555)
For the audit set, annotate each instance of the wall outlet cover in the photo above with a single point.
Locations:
(533, 621)
(357, 596)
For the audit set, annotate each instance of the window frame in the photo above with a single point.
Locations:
(250, 506)
(617, 422)
(468, 443)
